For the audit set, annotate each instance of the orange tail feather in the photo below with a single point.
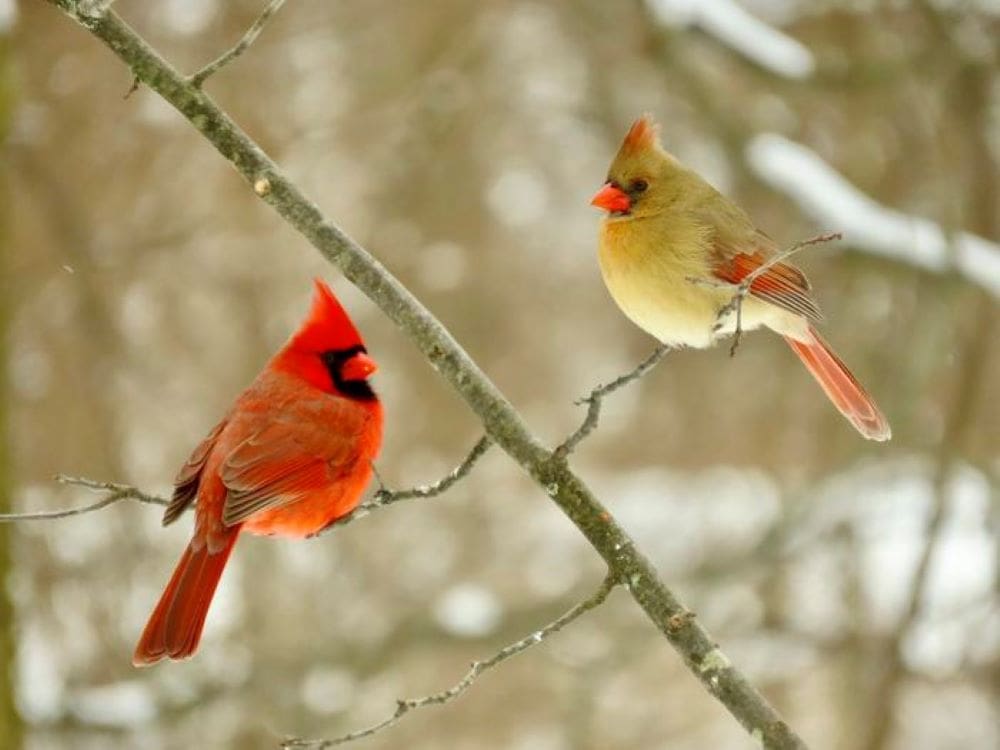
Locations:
(843, 389)
(174, 628)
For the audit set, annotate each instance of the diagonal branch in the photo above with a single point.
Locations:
(115, 494)
(198, 79)
(595, 399)
(502, 422)
(403, 707)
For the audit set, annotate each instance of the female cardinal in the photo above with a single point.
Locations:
(668, 240)
(292, 456)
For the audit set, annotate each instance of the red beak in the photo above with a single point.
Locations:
(612, 199)
(358, 367)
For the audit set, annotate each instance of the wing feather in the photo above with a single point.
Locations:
(289, 458)
(740, 248)
(781, 284)
(189, 477)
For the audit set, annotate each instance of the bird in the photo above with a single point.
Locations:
(292, 455)
(671, 248)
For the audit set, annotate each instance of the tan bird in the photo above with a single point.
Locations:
(670, 238)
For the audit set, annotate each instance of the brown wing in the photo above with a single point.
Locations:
(781, 284)
(188, 478)
(740, 248)
(306, 449)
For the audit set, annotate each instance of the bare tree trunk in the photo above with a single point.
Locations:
(11, 725)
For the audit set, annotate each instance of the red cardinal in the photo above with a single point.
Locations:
(293, 455)
(667, 230)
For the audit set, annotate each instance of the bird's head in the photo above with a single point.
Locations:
(327, 349)
(642, 176)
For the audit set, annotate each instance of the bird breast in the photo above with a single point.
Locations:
(649, 274)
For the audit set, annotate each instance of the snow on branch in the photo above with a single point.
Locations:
(731, 24)
(8, 14)
(829, 198)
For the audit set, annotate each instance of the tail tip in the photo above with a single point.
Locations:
(145, 657)
(143, 661)
(880, 432)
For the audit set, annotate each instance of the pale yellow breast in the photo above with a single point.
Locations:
(648, 273)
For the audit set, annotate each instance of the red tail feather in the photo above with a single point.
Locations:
(843, 389)
(174, 628)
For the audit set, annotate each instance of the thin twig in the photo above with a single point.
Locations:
(384, 496)
(198, 79)
(743, 288)
(596, 398)
(116, 493)
(132, 88)
(403, 707)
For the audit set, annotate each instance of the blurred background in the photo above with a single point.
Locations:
(143, 285)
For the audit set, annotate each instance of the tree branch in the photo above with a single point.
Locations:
(403, 707)
(385, 497)
(501, 421)
(116, 493)
(595, 399)
(198, 79)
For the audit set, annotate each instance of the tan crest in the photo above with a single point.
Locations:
(643, 135)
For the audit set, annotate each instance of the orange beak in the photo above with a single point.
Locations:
(612, 199)
(358, 367)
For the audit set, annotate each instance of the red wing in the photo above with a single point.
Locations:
(781, 284)
(188, 478)
(288, 459)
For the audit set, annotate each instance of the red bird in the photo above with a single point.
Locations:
(293, 455)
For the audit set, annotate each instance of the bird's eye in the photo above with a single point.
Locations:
(639, 186)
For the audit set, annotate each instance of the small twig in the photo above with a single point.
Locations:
(133, 88)
(116, 493)
(596, 397)
(387, 497)
(378, 479)
(478, 667)
(743, 288)
(198, 79)
(384, 496)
